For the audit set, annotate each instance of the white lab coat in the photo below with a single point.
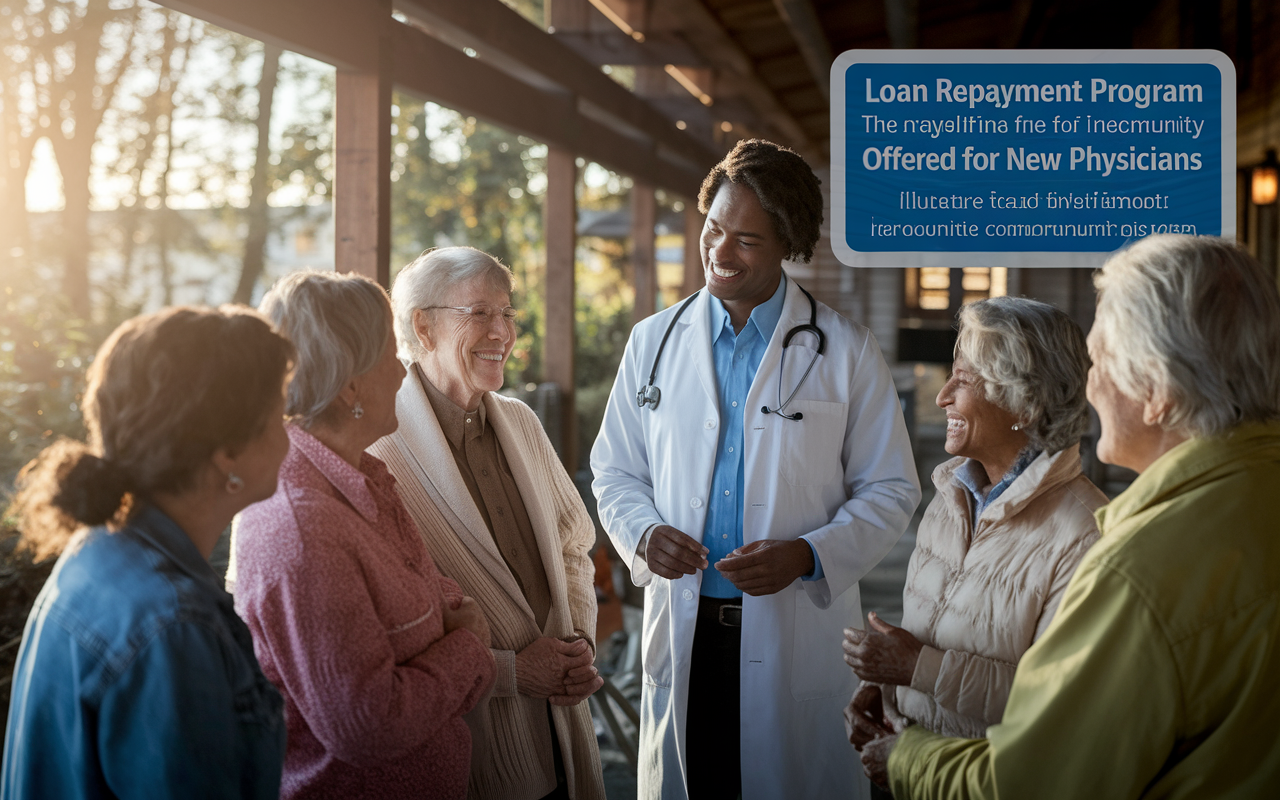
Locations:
(843, 477)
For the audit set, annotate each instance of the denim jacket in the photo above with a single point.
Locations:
(137, 679)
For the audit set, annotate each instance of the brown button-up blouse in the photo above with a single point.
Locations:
(484, 469)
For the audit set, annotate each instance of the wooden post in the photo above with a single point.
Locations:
(694, 279)
(362, 172)
(644, 266)
(559, 220)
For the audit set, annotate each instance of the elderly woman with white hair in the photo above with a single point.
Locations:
(1012, 517)
(377, 654)
(1158, 676)
(501, 516)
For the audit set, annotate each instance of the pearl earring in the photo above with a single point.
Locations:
(1017, 427)
(234, 483)
(357, 410)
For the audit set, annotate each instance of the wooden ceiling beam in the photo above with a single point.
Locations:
(615, 47)
(630, 137)
(806, 28)
(428, 68)
(338, 32)
(497, 30)
(706, 34)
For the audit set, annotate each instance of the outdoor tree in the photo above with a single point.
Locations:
(65, 61)
(459, 181)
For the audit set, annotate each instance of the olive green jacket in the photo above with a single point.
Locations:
(1160, 675)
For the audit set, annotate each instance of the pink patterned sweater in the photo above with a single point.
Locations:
(346, 610)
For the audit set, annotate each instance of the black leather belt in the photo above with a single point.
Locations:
(724, 611)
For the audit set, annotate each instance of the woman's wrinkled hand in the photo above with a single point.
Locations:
(467, 616)
(864, 716)
(875, 759)
(882, 653)
(560, 671)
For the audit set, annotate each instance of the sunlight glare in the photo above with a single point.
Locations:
(44, 180)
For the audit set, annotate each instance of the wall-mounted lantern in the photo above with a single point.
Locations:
(1266, 181)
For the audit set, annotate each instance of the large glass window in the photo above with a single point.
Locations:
(146, 158)
(928, 291)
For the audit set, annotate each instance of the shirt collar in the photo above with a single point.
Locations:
(452, 418)
(170, 539)
(764, 317)
(352, 483)
(973, 476)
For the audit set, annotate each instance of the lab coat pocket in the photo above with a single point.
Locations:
(810, 452)
(817, 661)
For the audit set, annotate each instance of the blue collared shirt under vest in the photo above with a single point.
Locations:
(737, 357)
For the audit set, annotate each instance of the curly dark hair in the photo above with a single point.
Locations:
(788, 190)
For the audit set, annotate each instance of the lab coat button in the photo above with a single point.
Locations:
(688, 595)
(711, 423)
(695, 502)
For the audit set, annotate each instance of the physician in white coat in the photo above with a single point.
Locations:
(750, 498)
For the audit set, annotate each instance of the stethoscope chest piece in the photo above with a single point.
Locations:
(648, 396)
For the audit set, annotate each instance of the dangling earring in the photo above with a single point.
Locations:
(234, 483)
(357, 410)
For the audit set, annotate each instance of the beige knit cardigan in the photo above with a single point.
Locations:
(511, 755)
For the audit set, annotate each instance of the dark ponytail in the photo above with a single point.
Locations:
(92, 490)
(65, 488)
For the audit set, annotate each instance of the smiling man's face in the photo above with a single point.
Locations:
(741, 252)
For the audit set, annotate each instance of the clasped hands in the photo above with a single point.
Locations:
(559, 671)
(758, 569)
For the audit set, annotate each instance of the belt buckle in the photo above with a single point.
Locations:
(730, 615)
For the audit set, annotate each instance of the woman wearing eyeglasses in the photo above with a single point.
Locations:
(500, 516)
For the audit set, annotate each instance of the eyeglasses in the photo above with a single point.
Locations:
(485, 314)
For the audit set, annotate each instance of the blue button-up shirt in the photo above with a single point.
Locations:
(737, 357)
(137, 679)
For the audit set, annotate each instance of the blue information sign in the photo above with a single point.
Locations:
(1007, 158)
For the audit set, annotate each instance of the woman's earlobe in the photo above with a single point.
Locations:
(349, 395)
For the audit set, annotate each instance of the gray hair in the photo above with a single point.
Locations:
(1193, 321)
(429, 280)
(339, 325)
(1033, 362)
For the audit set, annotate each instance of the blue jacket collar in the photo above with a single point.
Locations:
(157, 529)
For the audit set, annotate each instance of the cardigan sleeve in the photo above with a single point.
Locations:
(574, 526)
(577, 536)
(335, 656)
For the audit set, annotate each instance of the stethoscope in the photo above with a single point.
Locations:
(650, 395)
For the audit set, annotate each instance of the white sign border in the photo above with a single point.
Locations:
(858, 258)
